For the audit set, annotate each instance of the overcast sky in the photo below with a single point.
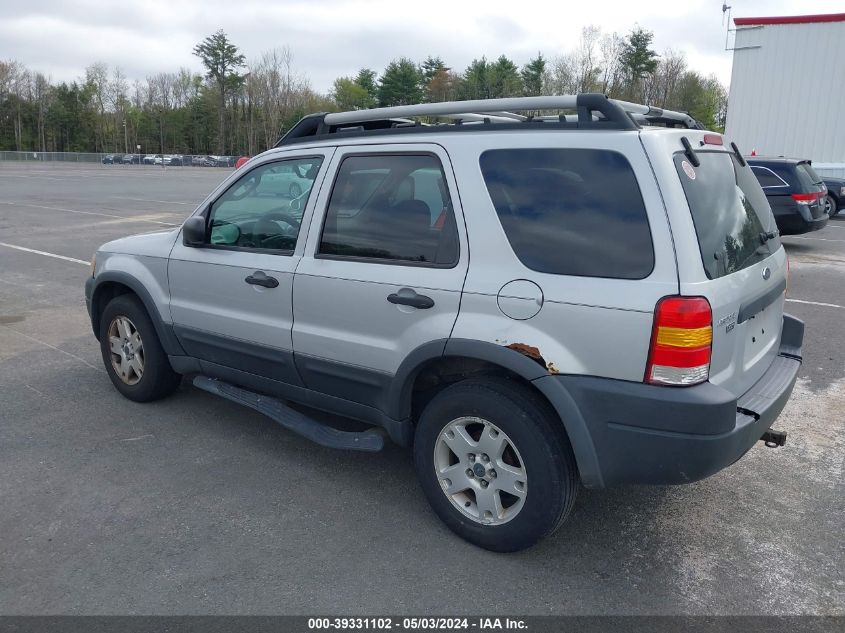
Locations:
(330, 38)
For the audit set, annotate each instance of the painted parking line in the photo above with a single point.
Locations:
(77, 211)
(46, 254)
(816, 303)
(819, 239)
(193, 204)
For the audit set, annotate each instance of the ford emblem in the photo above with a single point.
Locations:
(767, 272)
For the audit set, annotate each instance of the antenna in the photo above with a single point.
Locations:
(726, 13)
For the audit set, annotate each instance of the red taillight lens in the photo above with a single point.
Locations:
(806, 198)
(681, 342)
(712, 139)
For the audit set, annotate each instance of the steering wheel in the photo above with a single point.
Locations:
(281, 216)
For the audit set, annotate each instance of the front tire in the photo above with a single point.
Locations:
(495, 464)
(132, 354)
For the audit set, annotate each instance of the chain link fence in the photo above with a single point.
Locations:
(166, 160)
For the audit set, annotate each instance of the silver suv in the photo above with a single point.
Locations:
(530, 293)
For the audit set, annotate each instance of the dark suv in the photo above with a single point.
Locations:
(795, 192)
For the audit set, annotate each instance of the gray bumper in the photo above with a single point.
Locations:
(645, 434)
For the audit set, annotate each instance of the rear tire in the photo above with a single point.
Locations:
(831, 206)
(132, 354)
(510, 440)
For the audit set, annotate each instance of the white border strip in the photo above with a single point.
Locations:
(46, 254)
(816, 303)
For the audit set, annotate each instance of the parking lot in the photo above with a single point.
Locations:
(194, 505)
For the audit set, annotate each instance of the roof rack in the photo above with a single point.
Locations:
(592, 111)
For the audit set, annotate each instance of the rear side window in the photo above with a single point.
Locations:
(729, 211)
(391, 208)
(767, 178)
(571, 211)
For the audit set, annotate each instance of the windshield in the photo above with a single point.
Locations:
(729, 210)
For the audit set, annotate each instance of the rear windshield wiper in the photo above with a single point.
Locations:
(765, 236)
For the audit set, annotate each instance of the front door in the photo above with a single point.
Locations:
(230, 299)
(383, 269)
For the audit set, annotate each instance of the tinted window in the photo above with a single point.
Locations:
(571, 211)
(808, 177)
(767, 178)
(263, 209)
(729, 211)
(391, 207)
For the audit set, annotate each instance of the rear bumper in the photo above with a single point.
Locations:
(647, 434)
(800, 221)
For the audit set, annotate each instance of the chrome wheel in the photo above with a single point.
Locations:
(127, 350)
(480, 470)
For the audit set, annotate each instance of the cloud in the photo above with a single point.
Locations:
(330, 38)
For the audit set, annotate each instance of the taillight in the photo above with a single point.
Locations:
(680, 342)
(806, 198)
(712, 139)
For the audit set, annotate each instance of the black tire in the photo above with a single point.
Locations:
(834, 208)
(158, 379)
(537, 434)
(294, 190)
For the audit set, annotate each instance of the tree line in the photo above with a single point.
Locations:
(236, 109)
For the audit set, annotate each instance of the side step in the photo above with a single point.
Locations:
(293, 420)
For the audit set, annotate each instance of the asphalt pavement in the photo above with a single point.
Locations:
(192, 505)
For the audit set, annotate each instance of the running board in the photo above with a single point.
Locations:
(293, 420)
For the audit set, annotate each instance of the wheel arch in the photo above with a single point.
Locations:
(111, 284)
(460, 358)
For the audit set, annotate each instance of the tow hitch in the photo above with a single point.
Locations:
(773, 438)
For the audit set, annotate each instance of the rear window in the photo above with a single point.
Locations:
(571, 211)
(729, 210)
(808, 177)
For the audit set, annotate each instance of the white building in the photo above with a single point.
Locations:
(787, 95)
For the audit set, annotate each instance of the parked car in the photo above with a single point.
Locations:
(290, 180)
(199, 161)
(112, 159)
(132, 159)
(795, 192)
(150, 159)
(835, 197)
(620, 320)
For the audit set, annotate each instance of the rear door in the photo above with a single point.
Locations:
(383, 269)
(742, 265)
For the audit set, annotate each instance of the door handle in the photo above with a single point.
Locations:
(259, 278)
(411, 299)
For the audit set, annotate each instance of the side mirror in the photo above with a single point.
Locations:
(193, 231)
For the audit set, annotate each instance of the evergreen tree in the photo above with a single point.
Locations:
(532, 76)
(400, 83)
(221, 60)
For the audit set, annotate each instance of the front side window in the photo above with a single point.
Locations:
(571, 211)
(393, 207)
(263, 210)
